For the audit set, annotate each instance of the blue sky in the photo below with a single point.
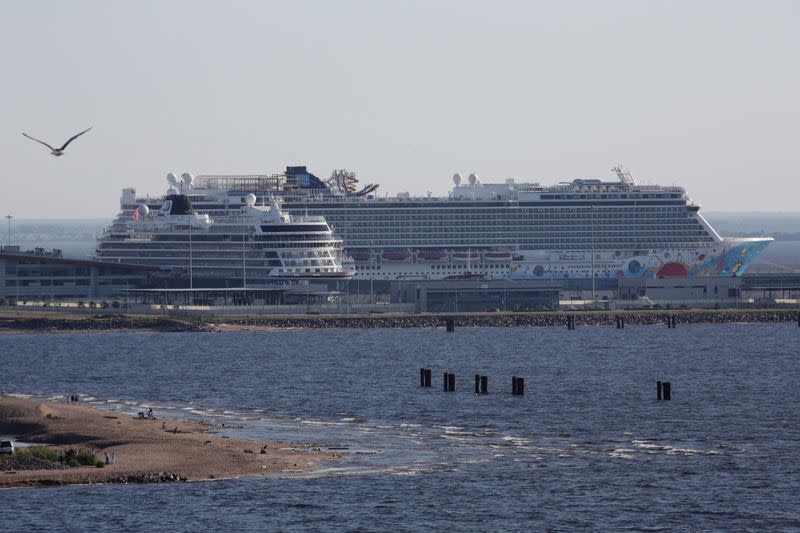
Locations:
(699, 94)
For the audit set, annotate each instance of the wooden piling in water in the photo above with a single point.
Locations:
(517, 386)
(484, 385)
(424, 377)
(667, 388)
(658, 389)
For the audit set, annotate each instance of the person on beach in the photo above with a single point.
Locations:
(150, 413)
(108, 460)
(164, 424)
(264, 449)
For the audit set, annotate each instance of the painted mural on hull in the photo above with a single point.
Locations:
(735, 258)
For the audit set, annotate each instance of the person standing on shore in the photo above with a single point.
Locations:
(108, 461)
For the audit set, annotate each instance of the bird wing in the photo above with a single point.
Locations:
(75, 137)
(37, 140)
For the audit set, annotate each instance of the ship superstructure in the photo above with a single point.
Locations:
(249, 243)
(606, 228)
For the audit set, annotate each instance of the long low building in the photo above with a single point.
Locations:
(43, 276)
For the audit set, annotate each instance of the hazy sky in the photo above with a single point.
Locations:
(699, 94)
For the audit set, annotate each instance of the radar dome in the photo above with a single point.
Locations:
(457, 179)
(250, 199)
(172, 179)
(187, 178)
(143, 210)
(473, 179)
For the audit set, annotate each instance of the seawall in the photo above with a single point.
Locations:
(18, 322)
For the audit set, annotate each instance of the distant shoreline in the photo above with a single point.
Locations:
(40, 322)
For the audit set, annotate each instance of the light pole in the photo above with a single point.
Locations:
(371, 276)
(9, 217)
(191, 281)
(592, 226)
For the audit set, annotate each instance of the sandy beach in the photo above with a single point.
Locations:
(143, 450)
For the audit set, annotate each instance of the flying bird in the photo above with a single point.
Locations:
(58, 151)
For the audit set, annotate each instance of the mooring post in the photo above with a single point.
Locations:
(514, 385)
(520, 386)
(667, 386)
(477, 384)
(446, 382)
(484, 385)
(428, 375)
(421, 377)
(658, 389)
(451, 382)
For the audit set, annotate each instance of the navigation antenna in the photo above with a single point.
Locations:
(624, 175)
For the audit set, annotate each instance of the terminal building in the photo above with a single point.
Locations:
(46, 276)
(41, 276)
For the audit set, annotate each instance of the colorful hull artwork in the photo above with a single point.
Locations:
(733, 259)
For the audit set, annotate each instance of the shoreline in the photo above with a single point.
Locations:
(39, 322)
(144, 451)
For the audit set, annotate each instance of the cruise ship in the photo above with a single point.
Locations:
(582, 228)
(249, 243)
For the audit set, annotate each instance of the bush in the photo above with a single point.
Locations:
(84, 458)
(81, 304)
(40, 452)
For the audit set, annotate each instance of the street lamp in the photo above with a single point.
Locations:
(592, 227)
(9, 217)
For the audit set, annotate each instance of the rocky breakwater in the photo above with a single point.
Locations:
(19, 322)
(582, 318)
(160, 477)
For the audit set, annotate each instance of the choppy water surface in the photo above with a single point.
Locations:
(588, 446)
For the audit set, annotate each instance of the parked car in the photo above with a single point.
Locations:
(6, 446)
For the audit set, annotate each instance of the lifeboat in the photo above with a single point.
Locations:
(360, 254)
(431, 255)
(396, 255)
(498, 256)
(469, 276)
(466, 256)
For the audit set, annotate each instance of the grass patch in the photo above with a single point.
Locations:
(39, 452)
(81, 458)
(51, 416)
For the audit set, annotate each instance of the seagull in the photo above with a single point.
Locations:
(58, 151)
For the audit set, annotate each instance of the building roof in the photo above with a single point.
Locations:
(76, 262)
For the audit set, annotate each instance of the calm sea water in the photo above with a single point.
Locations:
(587, 448)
